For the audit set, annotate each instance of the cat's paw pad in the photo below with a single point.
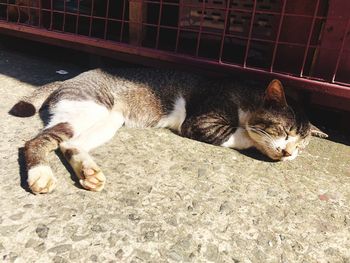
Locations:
(41, 179)
(92, 178)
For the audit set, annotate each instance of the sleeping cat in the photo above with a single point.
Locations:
(86, 111)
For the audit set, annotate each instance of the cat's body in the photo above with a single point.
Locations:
(87, 110)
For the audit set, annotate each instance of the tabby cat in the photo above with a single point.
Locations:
(86, 111)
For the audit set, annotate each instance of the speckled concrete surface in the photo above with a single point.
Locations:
(169, 199)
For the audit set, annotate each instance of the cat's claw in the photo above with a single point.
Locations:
(41, 179)
(92, 179)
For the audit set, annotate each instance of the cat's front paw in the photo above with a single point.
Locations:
(92, 177)
(41, 179)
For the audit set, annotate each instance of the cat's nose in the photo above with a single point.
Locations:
(286, 153)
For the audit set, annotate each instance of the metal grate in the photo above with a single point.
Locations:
(303, 42)
(212, 18)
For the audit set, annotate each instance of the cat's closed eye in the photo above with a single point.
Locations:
(279, 131)
(286, 133)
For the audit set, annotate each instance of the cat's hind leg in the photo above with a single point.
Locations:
(85, 168)
(70, 120)
(40, 176)
(76, 150)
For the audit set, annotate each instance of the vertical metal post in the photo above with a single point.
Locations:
(341, 50)
(200, 28)
(91, 17)
(178, 25)
(64, 15)
(278, 35)
(249, 35)
(309, 38)
(106, 21)
(51, 14)
(159, 20)
(77, 20)
(227, 12)
(123, 22)
(137, 12)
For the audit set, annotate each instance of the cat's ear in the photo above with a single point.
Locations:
(317, 132)
(274, 94)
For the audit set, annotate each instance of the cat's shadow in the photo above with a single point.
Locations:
(255, 154)
(23, 170)
(69, 168)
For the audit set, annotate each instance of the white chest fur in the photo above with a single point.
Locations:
(175, 119)
(240, 139)
(243, 117)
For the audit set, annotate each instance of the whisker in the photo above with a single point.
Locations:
(265, 135)
(261, 131)
(291, 109)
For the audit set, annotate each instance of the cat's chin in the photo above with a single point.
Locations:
(292, 157)
(278, 158)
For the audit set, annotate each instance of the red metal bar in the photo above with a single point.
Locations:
(178, 25)
(77, 20)
(216, 7)
(224, 31)
(7, 10)
(278, 36)
(29, 11)
(91, 17)
(213, 7)
(331, 35)
(222, 9)
(106, 21)
(209, 33)
(216, 34)
(309, 38)
(159, 20)
(98, 45)
(19, 13)
(81, 14)
(205, 32)
(341, 50)
(51, 15)
(64, 15)
(122, 26)
(40, 13)
(200, 28)
(250, 35)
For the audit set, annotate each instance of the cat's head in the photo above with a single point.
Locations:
(277, 129)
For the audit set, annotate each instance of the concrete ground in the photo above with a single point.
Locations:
(168, 199)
